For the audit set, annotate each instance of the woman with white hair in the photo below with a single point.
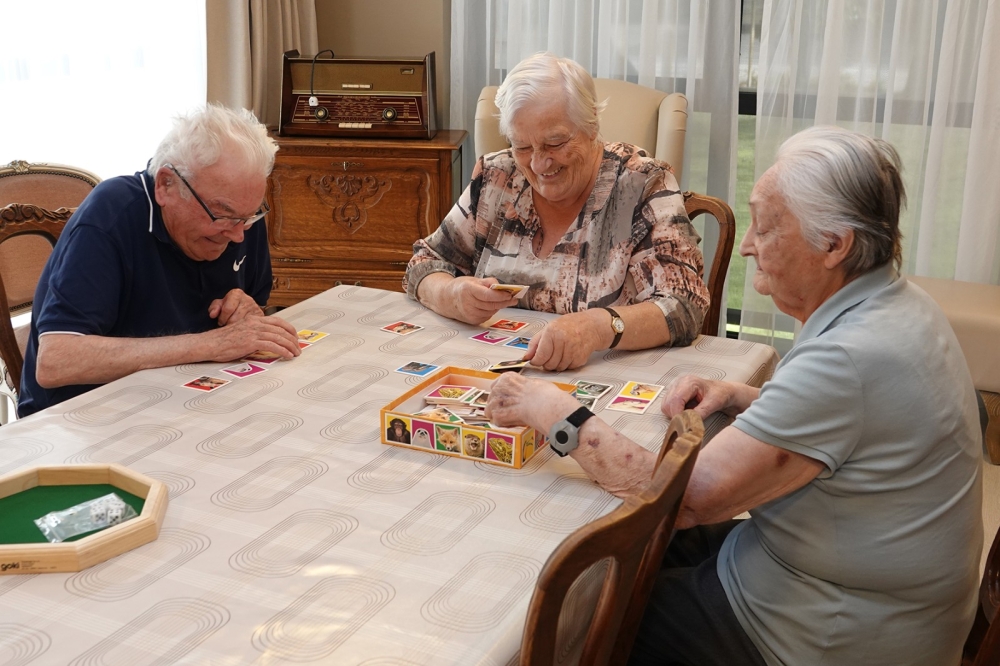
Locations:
(859, 461)
(598, 231)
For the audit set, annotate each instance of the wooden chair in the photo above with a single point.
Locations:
(982, 647)
(656, 121)
(49, 193)
(630, 543)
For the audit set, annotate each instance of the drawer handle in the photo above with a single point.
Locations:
(347, 164)
(340, 283)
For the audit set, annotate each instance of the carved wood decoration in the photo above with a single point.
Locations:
(349, 196)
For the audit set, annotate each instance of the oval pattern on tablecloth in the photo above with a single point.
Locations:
(356, 426)
(533, 465)
(439, 522)
(162, 635)
(418, 344)
(127, 446)
(116, 406)
(21, 644)
(395, 470)
(710, 344)
(268, 485)
(130, 573)
(293, 543)
(235, 395)
(645, 431)
(249, 435)
(340, 604)
(390, 314)
(697, 369)
(578, 611)
(177, 484)
(462, 603)
(342, 383)
(636, 359)
(19, 451)
(362, 294)
(314, 319)
(570, 502)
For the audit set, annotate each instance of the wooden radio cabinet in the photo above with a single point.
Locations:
(347, 211)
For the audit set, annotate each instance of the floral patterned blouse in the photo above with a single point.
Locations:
(631, 243)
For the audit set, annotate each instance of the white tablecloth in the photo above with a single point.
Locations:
(293, 535)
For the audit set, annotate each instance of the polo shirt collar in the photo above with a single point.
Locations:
(156, 226)
(851, 294)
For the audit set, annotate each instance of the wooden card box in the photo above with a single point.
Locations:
(509, 447)
(90, 550)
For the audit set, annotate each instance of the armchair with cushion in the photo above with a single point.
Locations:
(656, 121)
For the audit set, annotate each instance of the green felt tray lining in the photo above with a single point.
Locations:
(19, 511)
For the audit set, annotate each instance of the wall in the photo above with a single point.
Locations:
(408, 28)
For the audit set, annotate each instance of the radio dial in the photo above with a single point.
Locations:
(389, 114)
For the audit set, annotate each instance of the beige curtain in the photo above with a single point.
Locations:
(245, 41)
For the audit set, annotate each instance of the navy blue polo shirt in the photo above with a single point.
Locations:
(116, 272)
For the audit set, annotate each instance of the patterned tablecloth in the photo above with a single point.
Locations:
(293, 535)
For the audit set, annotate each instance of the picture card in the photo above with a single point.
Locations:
(508, 325)
(241, 370)
(518, 343)
(640, 390)
(402, 328)
(630, 405)
(311, 337)
(437, 413)
(417, 368)
(586, 401)
(448, 393)
(591, 389)
(262, 357)
(515, 290)
(509, 366)
(206, 383)
(490, 337)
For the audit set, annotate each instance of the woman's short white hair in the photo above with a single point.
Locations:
(198, 139)
(833, 180)
(539, 78)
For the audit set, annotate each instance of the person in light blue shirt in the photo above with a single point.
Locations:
(859, 462)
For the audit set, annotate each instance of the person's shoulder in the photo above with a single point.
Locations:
(502, 160)
(110, 201)
(635, 158)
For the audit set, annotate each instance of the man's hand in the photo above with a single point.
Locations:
(518, 401)
(568, 342)
(233, 307)
(707, 396)
(249, 334)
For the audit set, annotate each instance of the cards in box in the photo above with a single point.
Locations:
(403, 425)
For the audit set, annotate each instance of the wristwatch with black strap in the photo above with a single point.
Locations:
(618, 326)
(564, 435)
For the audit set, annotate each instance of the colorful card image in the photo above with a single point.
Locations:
(438, 413)
(586, 401)
(515, 290)
(241, 370)
(641, 391)
(481, 399)
(206, 383)
(264, 357)
(509, 366)
(473, 443)
(508, 325)
(311, 337)
(518, 343)
(303, 344)
(422, 434)
(402, 328)
(630, 405)
(447, 438)
(417, 368)
(471, 395)
(499, 447)
(448, 393)
(397, 429)
(591, 389)
(490, 337)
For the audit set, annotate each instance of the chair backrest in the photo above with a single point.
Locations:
(16, 221)
(631, 541)
(655, 121)
(645, 117)
(982, 647)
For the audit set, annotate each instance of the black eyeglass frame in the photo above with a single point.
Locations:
(229, 222)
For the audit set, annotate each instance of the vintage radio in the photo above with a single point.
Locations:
(357, 97)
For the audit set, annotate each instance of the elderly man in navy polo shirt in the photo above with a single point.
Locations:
(163, 267)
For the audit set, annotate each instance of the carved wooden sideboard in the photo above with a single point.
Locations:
(347, 211)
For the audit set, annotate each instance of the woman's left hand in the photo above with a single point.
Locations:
(519, 401)
(568, 341)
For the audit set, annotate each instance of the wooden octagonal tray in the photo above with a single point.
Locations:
(34, 492)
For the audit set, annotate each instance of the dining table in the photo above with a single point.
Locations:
(293, 534)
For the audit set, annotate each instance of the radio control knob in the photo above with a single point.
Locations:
(389, 114)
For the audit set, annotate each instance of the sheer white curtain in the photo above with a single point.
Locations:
(687, 46)
(916, 74)
(95, 85)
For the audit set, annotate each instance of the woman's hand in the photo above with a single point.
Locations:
(707, 396)
(518, 401)
(466, 299)
(567, 342)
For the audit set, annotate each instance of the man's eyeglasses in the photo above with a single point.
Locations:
(227, 222)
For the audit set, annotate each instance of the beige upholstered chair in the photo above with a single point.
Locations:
(36, 201)
(656, 121)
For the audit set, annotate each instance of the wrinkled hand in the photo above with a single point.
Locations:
(566, 342)
(473, 302)
(250, 334)
(704, 396)
(517, 401)
(233, 307)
